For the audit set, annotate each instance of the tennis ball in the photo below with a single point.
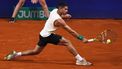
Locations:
(108, 41)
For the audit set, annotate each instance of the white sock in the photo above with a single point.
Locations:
(78, 57)
(18, 54)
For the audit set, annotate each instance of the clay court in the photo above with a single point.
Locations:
(23, 35)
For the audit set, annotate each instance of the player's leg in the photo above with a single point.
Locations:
(15, 54)
(69, 45)
(79, 60)
(39, 47)
(59, 40)
(44, 7)
(17, 8)
(34, 51)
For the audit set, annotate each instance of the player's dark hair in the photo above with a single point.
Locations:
(61, 5)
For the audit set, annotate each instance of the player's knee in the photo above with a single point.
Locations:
(67, 43)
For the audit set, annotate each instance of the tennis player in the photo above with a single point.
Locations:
(21, 3)
(47, 35)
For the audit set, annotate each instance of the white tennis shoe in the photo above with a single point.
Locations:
(83, 62)
(10, 56)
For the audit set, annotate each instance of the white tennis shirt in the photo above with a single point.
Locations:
(49, 25)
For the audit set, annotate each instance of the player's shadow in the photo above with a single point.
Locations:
(60, 62)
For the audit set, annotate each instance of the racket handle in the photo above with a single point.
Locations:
(91, 40)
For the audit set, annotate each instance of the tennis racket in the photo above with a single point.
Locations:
(107, 36)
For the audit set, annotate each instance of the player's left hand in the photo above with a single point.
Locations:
(67, 16)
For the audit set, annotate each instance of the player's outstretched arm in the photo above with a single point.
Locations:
(61, 23)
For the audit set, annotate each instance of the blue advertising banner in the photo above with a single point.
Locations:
(77, 8)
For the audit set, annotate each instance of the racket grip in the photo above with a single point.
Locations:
(91, 40)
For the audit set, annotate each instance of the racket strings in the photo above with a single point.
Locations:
(112, 35)
(108, 34)
(103, 36)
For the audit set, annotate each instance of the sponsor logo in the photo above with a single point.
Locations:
(32, 13)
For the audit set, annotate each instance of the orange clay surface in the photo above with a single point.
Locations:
(23, 35)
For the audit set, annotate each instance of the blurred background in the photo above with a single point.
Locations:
(77, 8)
